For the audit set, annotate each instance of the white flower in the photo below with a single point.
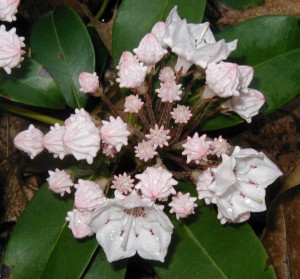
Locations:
(81, 138)
(247, 104)
(182, 205)
(156, 183)
(30, 141)
(159, 31)
(52, 141)
(181, 114)
(131, 73)
(88, 195)
(228, 79)
(133, 104)
(167, 75)
(8, 10)
(60, 182)
(169, 91)
(145, 150)
(10, 49)
(150, 50)
(196, 148)
(194, 43)
(158, 136)
(123, 183)
(89, 83)
(77, 223)
(219, 146)
(239, 184)
(132, 224)
(114, 132)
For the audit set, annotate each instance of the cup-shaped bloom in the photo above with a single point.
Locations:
(77, 223)
(10, 49)
(133, 104)
(8, 10)
(247, 104)
(194, 43)
(132, 224)
(196, 148)
(156, 183)
(228, 79)
(81, 138)
(131, 73)
(169, 91)
(182, 205)
(60, 182)
(30, 141)
(114, 132)
(89, 83)
(150, 50)
(88, 195)
(52, 141)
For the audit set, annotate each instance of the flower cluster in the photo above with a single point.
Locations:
(10, 43)
(158, 133)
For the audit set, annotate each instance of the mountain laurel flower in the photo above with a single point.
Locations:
(196, 148)
(60, 182)
(114, 132)
(88, 195)
(123, 183)
(133, 104)
(30, 141)
(156, 183)
(219, 146)
(89, 83)
(204, 180)
(158, 136)
(132, 73)
(52, 141)
(194, 43)
(8, 10)
(10, 49)
(246, 105)
(167, 75)
(182, 205)
(169, 91)
(239, 183)
(145, 150)
(181, 114)
(77, 223)
(81, 138)
(159, 31)
(228, 79)
(149, 51)
(132, 224)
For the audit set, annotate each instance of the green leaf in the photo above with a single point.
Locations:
(136, 18)
(32, 85)
(101, 269)
(61, 43)
(274, 52)
(42, 246)
(205, 249)
(242, 4)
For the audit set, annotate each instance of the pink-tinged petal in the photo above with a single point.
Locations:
(159, 31)
(30, 141)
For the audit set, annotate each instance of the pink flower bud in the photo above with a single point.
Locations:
(89, 83)
(169, 91)
(60, 182)
(30, 141)
(8, 9)
(159, 31)
(10, 49)
(167, 75)
(133, 104)
(183, 205)
(78, 223)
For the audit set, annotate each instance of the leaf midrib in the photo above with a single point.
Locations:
(198, 243)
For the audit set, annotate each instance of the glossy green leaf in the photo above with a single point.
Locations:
(205, 249)
(136, 18)
(61, 43)
(100, 268)
(242, 4)
(32, 85)
(274, 52)
(42, 246)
